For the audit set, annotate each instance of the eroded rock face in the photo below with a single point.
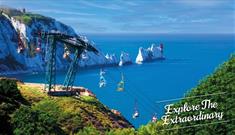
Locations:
(13, 30)
(112, 59)
(152, 53)
(124, 59)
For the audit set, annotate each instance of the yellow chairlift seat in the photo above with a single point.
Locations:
(121, 84)
(66, 55)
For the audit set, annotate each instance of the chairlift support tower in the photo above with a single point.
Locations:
(77, 44)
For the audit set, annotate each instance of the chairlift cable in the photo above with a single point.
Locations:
(133, 91)
(139, 96)
(142, 94)
(135, 96)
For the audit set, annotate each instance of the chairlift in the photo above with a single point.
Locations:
(102, 72)
(121, 84)
(38, 49)
(20, 50)
(39, 43)
(66, 55)
(136, 112)
(84, 56)
(102, 82)
(66, 52)
(135, 115)
(154, 118)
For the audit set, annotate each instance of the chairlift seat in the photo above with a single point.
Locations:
(38, 49)
(102, 84)
(135, 115)
(154, 119)
(20, 50)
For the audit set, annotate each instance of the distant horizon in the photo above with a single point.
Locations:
(139, 16)
(159, 33)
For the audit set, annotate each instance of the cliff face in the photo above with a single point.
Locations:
(8, 47)
(17, 26)
(152, 53)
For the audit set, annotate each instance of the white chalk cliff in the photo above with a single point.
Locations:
(124, 59)
(152, 53)
(16, 24)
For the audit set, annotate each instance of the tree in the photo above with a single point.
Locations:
(125, 131)
(90, 130)
(27, 121)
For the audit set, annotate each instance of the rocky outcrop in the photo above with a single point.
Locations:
(112, 59)
(124, 59)
(152, 53)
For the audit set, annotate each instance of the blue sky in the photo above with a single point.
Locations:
(137, 16)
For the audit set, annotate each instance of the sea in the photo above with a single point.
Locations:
(151, 85)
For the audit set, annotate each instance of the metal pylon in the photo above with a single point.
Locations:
(70, 77)
(51, 67)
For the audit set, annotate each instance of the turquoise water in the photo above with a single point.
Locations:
(189, 58)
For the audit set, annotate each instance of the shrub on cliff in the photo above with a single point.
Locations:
(28, 121)
(89, 130)
(8, 88)
(10, 100)
(125, 131)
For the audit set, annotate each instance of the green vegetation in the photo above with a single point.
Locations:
(25, 17)
(125, 131)
(28, 18)
(27, 121)
(222, 85)
(26, 109)
(89, 130)
(9, 88)
(10, 100)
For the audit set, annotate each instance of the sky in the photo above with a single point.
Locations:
(136, 16)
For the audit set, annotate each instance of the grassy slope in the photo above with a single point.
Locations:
(71, 113)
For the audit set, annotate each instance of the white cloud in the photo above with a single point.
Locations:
(167, 18)
(202, 3)
(202, 20)
(104, 5)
